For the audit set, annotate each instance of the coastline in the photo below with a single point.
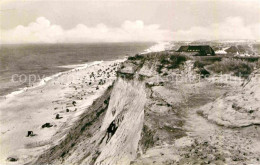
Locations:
(29, 108)
(45, 60)
(32, 108)
(46, 79)
(156, 47)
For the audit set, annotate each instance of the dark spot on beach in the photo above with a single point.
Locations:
(12, 159)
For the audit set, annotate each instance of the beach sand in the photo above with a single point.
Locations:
(67, 95)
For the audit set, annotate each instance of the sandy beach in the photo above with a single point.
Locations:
(57, 104)
(173, 82)
(137, 115)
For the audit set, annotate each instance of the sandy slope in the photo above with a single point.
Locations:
(28, 111)
(239, 108)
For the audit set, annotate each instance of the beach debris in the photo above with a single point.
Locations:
(101, 82)
(97, 88)
(47, 125)
(58, 116)
(92, 75)
(251, 110)
(12, 159)
(67, 110)
(30, 133)
(74, 103)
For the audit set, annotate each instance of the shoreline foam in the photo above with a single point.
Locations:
(155, 47)
(46, 79)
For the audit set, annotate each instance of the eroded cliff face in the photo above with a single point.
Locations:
(126, 108)
(71, 149)
(156, 113)
(91, 142)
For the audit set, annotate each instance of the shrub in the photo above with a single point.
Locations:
(203, 61)
(248, 59)
(211, 59)
(203, 72)
(170, 61)
(235, 66)
(159, 68)
(199, 64)
(136, 57)
(165, 61)
(176, 61)
(165, 74)
(131, 58)
(258, 63)
(147, 140)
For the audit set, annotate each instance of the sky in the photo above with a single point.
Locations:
(67, 21)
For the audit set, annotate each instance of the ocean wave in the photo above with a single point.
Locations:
(161, 46)
(47, 79)
(157, 47)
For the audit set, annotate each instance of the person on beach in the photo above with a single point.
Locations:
(30, 133)
(111, 130)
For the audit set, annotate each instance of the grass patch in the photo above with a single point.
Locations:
(136, 57)
(170, 61)
(176, 132)
(236, 66)
(258, 64)
(203, 72)
(147, 140)
(159, 68)
(248, 59)
(200, 62)
(176, 61)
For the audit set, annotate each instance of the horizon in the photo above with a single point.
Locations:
(132, 42)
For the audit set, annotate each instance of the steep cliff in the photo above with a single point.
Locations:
(158, 111)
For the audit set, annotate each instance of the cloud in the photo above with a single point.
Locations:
(232, 28)
(42, 31)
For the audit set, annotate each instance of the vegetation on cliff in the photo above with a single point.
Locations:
(236, 66)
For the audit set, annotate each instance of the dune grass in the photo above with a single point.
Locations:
(236, 66)
(258, 64)
(176, 61)
(170, 61)
(200, 62)
(136, 57)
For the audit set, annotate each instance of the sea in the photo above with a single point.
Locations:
(25, 65)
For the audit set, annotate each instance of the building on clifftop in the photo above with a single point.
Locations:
(198, 50)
